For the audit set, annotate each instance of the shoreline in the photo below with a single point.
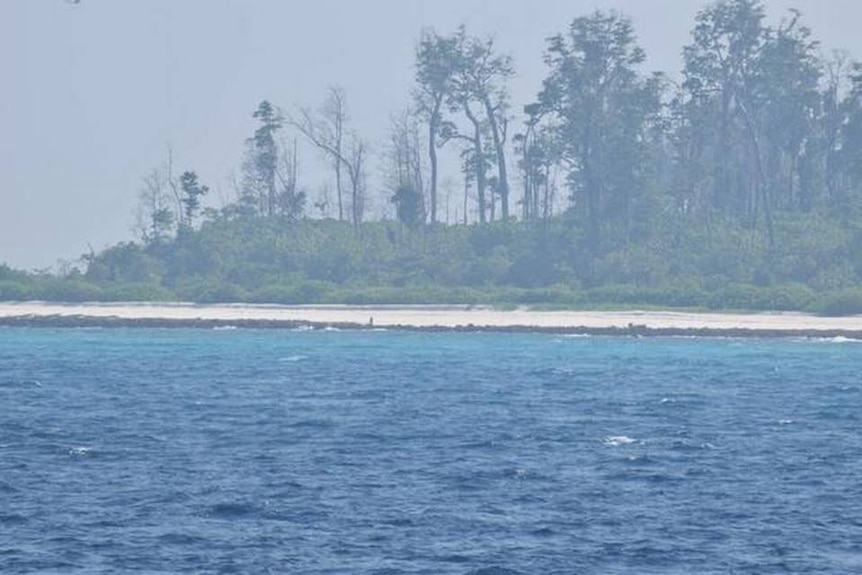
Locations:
(430, 318)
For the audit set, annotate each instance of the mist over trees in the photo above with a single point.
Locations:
(736, 184)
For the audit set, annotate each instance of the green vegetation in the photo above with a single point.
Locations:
(740, 188)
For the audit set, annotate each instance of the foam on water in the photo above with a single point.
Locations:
(615, 440)
(836, 339)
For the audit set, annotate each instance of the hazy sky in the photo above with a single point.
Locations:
(93, 94)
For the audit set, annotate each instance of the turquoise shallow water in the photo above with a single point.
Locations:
(241, 451)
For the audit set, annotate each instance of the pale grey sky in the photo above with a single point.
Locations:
(94, 93)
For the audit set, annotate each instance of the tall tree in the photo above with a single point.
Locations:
(437, 58)
(348, 153)
(789, 105)
(849, 162)
(405, 153)
(333, 119)
(290, 201)
(481, 77)
(192, 191)
(838, 77)
(475, 157)
(536, 159)
(599, 107)
(753, 95)
(720, 69)
(260, 166)
(155, 218)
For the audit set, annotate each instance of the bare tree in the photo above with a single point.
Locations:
(334, 117)
(154, 219)
(327, 131)
(290, 200)
(405, 166)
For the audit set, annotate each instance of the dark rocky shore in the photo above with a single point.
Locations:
(631, 330)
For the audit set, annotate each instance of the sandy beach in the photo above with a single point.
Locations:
(428, 318)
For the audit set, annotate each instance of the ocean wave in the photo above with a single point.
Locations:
(616, 440)
(410, 447)
(836, 339)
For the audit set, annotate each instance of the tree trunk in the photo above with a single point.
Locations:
(338, 185)
(500, 150)
(433, 126)
(761, 190)
(478, 161)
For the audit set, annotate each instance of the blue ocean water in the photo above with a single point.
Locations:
(243, 451)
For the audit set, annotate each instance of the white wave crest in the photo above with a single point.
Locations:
(836, 339)
(615, 440)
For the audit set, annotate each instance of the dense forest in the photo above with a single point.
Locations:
(737, 185)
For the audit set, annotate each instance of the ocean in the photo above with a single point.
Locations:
(129, 450)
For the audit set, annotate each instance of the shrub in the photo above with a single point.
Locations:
(788, 297)
(19, 291)
(843, 303)
(136, 292)
(211, 291)
(70, 290)
(306, 292)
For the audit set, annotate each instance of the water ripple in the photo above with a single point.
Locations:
(245, 451)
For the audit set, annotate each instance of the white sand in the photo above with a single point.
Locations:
(439, 316)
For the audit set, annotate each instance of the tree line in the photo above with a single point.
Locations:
(746, 170)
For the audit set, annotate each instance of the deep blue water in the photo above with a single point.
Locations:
(125, 450)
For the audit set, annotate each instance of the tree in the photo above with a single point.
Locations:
(260, 165)
(270, 170)
(290, 201)
(535, 146)
(334, 113)
(405, 163)
(719, 79)
(481, 77)
(155, 219)
(753, 95)
(327, 131)
(410, 205)
(834, 107)
(191, 197)
(849, 155)
(475, 157)
(436, 64)
(788, 102)
(599, 109)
